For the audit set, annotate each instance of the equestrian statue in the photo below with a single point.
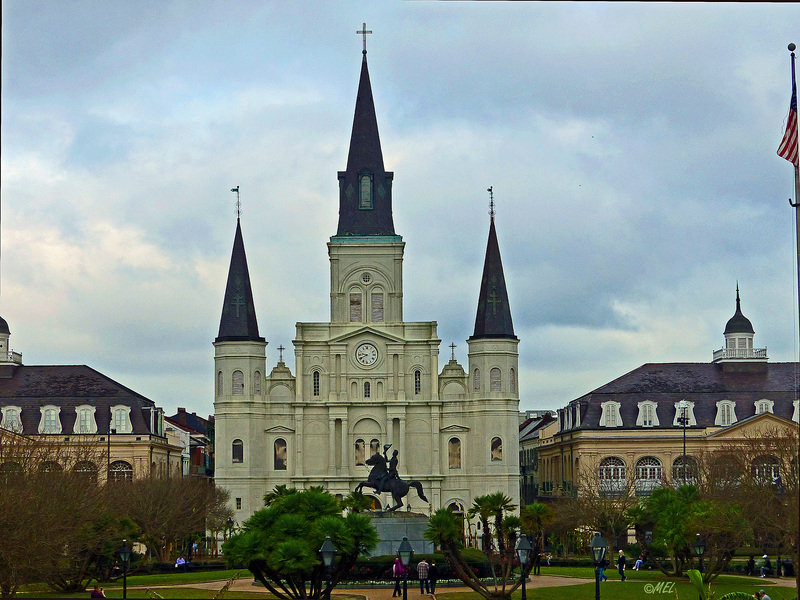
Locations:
(384, 478)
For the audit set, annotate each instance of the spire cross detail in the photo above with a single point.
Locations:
(491, 202)
(452, 350)
(238, 300)
(494, 300)
(364, 32)
(281, 349)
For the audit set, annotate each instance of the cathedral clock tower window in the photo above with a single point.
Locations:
(365, 192)
(355, 307)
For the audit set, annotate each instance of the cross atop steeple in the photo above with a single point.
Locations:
(452, 350)
(364, 32)
(238, 203)
(491, 202)
(281, 349)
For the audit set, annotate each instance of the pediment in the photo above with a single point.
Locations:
(454, 429)
(278, 429)
(753, 426)
(366, 330)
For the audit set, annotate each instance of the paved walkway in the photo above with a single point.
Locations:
(245, 584)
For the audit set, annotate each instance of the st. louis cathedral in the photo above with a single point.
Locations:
(367, 378)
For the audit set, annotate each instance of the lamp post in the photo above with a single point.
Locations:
(683, 420)
(406, 554)
(108, 453)
(124, 554)
(699, 549)
(328, 553)
(598, 546)
(523, 552)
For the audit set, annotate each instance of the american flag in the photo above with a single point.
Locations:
(788, 147)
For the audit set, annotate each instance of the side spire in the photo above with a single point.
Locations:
(238, 321)
(365, 188)
(493, 319)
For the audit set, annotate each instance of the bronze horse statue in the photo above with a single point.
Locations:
(395, 486)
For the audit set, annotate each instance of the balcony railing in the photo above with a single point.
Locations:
(740, 353)
(13, 357)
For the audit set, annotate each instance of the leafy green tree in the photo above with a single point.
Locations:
(280, 544)
(533, 519)
(357, 502)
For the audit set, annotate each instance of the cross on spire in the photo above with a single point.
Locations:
(491, 202)
(364, 32)
(281, 349)
(452, 350)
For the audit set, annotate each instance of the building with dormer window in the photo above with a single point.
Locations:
(629, 434)
(367, 377)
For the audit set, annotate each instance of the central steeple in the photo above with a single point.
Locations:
(365, 188)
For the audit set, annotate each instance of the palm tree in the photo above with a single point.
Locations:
(356, 502)
(280, 491)
(535, 517)
(500, 504)
(482, 509)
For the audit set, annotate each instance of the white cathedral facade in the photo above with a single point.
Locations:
(366, 378)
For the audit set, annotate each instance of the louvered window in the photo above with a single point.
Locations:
(355, 308)
(238, 383)
(476, 380)
(377, 307)
(494, 380)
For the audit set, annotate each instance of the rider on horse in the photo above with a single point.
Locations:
(391, 472)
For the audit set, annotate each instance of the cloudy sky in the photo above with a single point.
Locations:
(631, 148)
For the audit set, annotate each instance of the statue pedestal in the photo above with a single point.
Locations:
(392, 527)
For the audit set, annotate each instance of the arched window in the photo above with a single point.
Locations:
(120, 471)
(365, 192)
(512, 381)
(238, 383)
(726, 413)
(725, 470)
(454, 453)
(476, 380)
(766, 469)
(84, 421)
(497, 448)
(237, 451)
(12, 418)
(366, 389)
(649, 474)
(280, 454)
(87, 470)
(315, 382)
(494, 380)
(355, 307)
(417, 381)
(376, 300)
(359, 452)
(50, 466)
(219, 383)
(684, 470)
(612, 476)
(374, 447)
(257, 383)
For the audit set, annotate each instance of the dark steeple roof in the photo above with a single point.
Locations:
(373, 214)
(238, 322)
(738, 323)
(494, 313)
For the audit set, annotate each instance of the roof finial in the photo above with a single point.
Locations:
(452, 350)
(491, 202)
(238, 203)
(364, 32)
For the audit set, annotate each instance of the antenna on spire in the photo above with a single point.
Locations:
(364, 32)
(238, 203)
(491, 202)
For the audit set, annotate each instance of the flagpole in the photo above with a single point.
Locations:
(796, 206)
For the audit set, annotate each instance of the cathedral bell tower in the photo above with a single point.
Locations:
(366, 255)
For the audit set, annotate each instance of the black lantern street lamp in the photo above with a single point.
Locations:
(523, 552)
(328, 553)
(124, 554)
(699, 549)
(598, 546)
(406, 554)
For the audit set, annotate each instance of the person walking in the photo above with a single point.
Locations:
(621, 565)
(423, 571)
(537, 564)
(602, 570)
(397, 573)
(433, 576)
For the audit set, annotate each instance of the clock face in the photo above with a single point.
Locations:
(366, 354)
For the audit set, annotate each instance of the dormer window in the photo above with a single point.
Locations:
(684, 409)
(796, 413)
(648, 417)
(610, 416)
(365, 192)
(84, 420)
(50, 423)
(726, 413)
(12, 418)
(763, 406)
(120, 416)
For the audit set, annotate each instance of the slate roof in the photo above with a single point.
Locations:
(705, 384)
(365, 156)
(31, 387)
(493, 318)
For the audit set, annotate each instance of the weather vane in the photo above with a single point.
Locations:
(364, 32)
(238, 203)
(491, 202)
